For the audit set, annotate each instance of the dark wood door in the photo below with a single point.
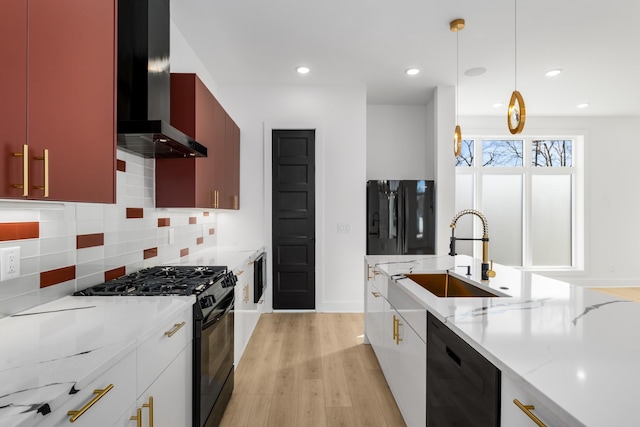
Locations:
(293, 216)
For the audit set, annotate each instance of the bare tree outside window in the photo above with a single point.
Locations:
(465, 159)
(547, 153)
(501, 153)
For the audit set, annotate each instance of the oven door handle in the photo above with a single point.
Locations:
(206, 322)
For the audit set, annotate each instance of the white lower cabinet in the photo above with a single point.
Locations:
(406, 367)
(401, 352)
(531, 410)
(102, 402)
(246, 311)
(167, 402)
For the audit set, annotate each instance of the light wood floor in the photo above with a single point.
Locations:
(632, 294)
(310, 369)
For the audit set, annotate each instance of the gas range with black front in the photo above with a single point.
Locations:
(213, 287)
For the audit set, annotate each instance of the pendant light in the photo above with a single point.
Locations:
(517, 112)
(456, 26)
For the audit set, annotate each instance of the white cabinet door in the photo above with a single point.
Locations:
(513, 416)
(246, 313)
(156, 352)
(405, 367)
(167, 402)
(114, 390)
(374, 319)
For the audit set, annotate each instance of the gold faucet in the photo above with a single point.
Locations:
(487, 271)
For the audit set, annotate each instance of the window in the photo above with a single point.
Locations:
(528, 190)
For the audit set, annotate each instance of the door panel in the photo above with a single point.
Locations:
(13, 93)
(293, 219)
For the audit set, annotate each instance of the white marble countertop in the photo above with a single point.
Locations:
(69, 342)
(567, 345)
(232, 257)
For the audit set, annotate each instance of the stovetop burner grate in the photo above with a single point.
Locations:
(165, 280)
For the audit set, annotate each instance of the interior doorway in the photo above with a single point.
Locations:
(293, 219)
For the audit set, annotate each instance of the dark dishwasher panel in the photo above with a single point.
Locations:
(463, 388)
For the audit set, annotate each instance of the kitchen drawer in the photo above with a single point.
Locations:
(157, 352)
(107, 409)
(512, 415)
(411, 310)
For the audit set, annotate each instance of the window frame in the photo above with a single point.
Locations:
(527, 171)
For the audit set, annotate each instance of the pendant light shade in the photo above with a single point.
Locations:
(456, 26)
(517, 112)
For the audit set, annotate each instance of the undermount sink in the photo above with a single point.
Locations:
(446, 286)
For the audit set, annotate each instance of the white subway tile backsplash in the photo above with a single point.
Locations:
(125, 240)
(57, 260)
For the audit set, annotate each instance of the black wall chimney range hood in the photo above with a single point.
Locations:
(144, 81)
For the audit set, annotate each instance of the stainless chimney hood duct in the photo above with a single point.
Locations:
(144, 81)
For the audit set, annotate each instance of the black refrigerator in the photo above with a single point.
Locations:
(400, 217)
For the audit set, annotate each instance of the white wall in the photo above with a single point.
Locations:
(338, 113)
(185, 60)
(397, 143)
(612, 194)
(444, 113)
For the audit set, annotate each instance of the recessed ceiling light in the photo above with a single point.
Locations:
(303, 70)
(584, 105)
(412, 71)
(475, 71)
(553, 73)
(498, 105)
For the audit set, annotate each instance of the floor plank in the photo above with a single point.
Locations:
(632, 294)
(310, 369)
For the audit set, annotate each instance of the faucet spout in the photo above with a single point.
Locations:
(486, 271)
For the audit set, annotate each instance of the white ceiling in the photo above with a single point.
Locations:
(372, 42)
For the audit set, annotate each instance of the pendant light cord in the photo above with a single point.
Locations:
(515, 44)
(457, 72)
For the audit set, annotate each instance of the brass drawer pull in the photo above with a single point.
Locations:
(25, 170)
(527, 410)
(99, 394)
(246, 293)
(45, 187)
(375, 294)
(137, 417)
(396, 330)
(176, 328)
(150, 406)
(239, 273)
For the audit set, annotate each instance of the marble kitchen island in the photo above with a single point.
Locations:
(570, 347)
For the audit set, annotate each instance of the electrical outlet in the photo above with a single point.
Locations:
(9, 263)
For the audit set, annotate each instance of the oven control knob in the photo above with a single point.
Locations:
(207, 301)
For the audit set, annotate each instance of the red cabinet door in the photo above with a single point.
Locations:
(219, 155)
(13, 95)
(71, 101)
(189, 182)
(233, 171)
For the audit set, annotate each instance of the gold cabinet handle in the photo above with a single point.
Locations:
(527, 410)
(99, 394)
(216, 195)
(246, 293)
(396, 330)
(369, 277)
(239, 273)
(375, 294)
(150, 406)
(25, 170)
(137, 417)
(176, 328)
(45, 187)
(236, 202)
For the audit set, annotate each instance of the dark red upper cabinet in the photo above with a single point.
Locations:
(188, 182)
(13, 96)
(201, 182)
(63, 83)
